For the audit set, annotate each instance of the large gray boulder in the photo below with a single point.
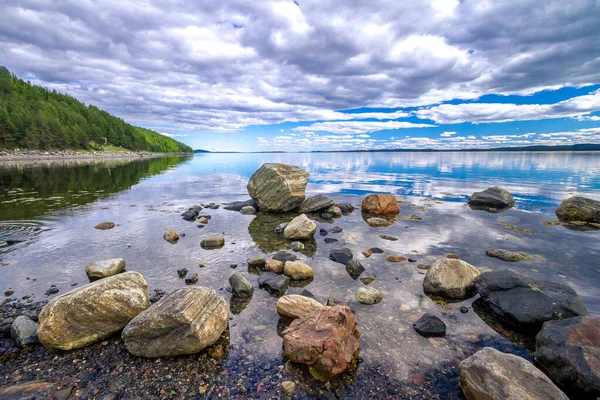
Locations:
(105, 268)
(450, 278)
(24, 331)
(492, 375)
(278, 187)
(492, 199)
(183, 322)
(579, 211)
(569, 350)
(92, 312)
(300, 228)
(527, 303)
(314, 204)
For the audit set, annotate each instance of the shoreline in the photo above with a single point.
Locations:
(35, 156)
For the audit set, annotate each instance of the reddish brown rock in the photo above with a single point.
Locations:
(326, 340)
(380, 204)
(396, 258)
(453, 256)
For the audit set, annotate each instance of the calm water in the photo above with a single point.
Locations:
(54, 208)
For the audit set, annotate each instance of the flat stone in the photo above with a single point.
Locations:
(105, 268)
(295, 306)
(492, 199)
(284, 256)
(248, 210)
(395, 258)
(376, 250)
(430, 326)
(257, 262)
(388, 237)
(377, 222)
(512, 256)
(213, 242)
(105, 225)
(273, 283)
(314, 204)
(367, 278)
(341, 256)
(239, 205)
(331, 240)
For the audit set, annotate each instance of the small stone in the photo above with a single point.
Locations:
(215, 352)
(430, 326)
(326, 215)
(51, 291)
(171, 236)
(105, 225)
(24, 331)
(396, 258)
(331, 240)
(367, 278)
(248, 210)
(203, 221)
(453, 256)
(182, 272)
(464, 309)
(368, 295)
(404, 307)
(213, 242)
(367, 253)
(297, 246)
(257, 262)
(284, 256)
(412, 260)
(297, 270)
(192, 280)
(273, 283)
(275, 266)
(341, 256)
(335, 229)
(387, 237)
(376, 250)
(289, 388)
(323, 232)
(301, 228)
(354, 268)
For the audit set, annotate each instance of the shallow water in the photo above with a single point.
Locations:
(55, 208)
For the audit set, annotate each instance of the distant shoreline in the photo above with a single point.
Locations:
(33, 156)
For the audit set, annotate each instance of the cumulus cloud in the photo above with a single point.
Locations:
(355, 127)
(222, 66)
(447, 134)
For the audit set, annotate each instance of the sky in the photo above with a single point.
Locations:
(301, 75)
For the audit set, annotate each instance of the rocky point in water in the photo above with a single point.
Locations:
(579, 211)
(278, 187)
(493, 199)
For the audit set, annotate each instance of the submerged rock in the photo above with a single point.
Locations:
(377, 222)
(275, 266)
(182, 272)
(511, 256)
(367, 278)
(301, 228)
(451, 278)
(492, 375)
(278, 187)
(569, 350)
(579, 211)
(295, 306)
(279, 229)
(527, 303)
(314, 204)
(430, 326)
(297, 270)
(239, 205)
(346, 208)
(191, 213)
(105, 225)
(248, 210)
(92, 312)
(24, 331)
(380, 204)
(354, 268)
(285, 256)
(105, 268)
(213, 242)
(191, 280)
(273, 283)
(396, 258)
(297, 246)
(341, 256)
(388, 237)
(330, 240)
(183, 322)
(257, 262)
(368, 295)
(492, 199)
(325, 340)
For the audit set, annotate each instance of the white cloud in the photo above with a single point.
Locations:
(447, 134)
(354, 127)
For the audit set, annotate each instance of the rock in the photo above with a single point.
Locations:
(212, 206)
(429, 326)
(492, 375)
(569, 350)
(289, 388)
(24, 331)
(314, 204)
(341, 256)
(297, 270)
(511, 256)
(395, 258)
(335, 229)
(248, 210)
(388, 237)
(330, 240)
(275, 266)
(239, 205)
(213, 242)
(464, 309)
(182, 272)
(301, 228)
(278, 187)
(295, 306)
(279, 229)
(273, 283)
(451, 278)
(354, 268)
(105, 268)
(215, 352)
(285, 256)
(424, 266)
(105, 225)
(326, 215)
(367, 253)
(297, 246)
(527, 303)
(368, 295)
(257, 262)
(453, 256)
(25, 391)
(346, 208)
(367, 278)
(332, 301)
(183, 322)
(191, 280)
(15, 239)
(335, 211)
(92, 312)
(380, 204)
(325, 340)
(51, 291)
(492, 199)
(203, 221)
(376, 250)
(579, 210)
(376, 222)
(191, 213)
(412, 260)
(323, 232)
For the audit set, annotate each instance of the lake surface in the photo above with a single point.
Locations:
(55, 207)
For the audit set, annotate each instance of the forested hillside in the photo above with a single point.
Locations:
(33, 117)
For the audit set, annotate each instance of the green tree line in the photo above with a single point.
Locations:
(33, 117)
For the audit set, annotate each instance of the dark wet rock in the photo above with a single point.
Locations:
(51, 291)
(314, 204)
(212, 206)
(323, 232)
(429, 326)
(326, 215)
(279, 229)
(9, 293)
(92, 312)
(579, 210)
(24, 331)
(341, 256)
(367, 278)
(380, 204)
(157, 295)
(388, 237)
(191, 213)
(354, 268)
(325, 340)
(238, 205)
(241, 286)
(15, 239)
(492, 199)
(191, 280)
(284, 256)
(527, 303)
(569, 350)
(32, 314)
(300, 228)
(335, 229)
(492, 375)
(346, 208)
(274, 266)
(182, 272)
(376, 250)
(257, 262)
(213, 242)
(464, 309)
(331, 240)
(248, 210)
(233, 266)
(336, 212)
(278, 187)
(297, 246)
(105, 268)
(368, 295)
(105, 225)
(273, 283)
(451, 278)
(412, 260)
(511, 256)
(294, 306)
(183, 322)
